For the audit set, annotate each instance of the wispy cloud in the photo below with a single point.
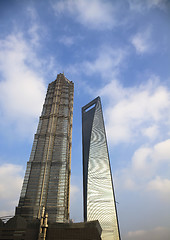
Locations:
(152, 234)
(142, 42)
(91, 13)
(105, 61)
(144, 5)
(66, 40)
(34, 29)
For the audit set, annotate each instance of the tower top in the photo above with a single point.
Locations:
(61, 75)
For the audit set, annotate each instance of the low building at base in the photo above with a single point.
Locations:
(17, 228)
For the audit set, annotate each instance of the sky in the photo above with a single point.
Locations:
(116, 49)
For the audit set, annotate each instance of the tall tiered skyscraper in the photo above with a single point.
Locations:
(99, 199)
(47, 178)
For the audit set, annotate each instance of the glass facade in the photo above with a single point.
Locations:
(99, 199)
(47, 178)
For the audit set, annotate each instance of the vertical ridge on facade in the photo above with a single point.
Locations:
(47, 178)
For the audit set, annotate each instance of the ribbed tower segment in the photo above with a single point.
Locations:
(47, 178)
(99, 199)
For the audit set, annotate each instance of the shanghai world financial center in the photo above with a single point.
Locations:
(47, 178)
(99, 200)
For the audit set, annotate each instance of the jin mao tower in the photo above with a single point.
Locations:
(99, 198)
(47, 178)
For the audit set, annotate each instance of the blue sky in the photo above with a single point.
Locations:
(119, 50)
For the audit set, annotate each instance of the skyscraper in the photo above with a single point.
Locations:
(47, 178)
(99, 199)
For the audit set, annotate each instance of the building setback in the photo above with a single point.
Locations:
(99, 199)
(47, 178)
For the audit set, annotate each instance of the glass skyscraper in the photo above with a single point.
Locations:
(47, 178)
(99, 199)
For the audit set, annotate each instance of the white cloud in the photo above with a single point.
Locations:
(161, 151)
(106, 63)
(141, 161)
(130, 111)
(161, 186)
(91, 13)
(113, 91)
(22, 89)
(149, 159)
(146, 163)
(139, 116)
(11, 178)
(142, 41)
(152, 234)
(151, 132)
